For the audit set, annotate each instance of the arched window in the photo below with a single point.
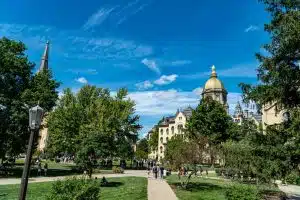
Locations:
(179, 127)
(167, 131)
(172, 129)
(161, 149)
(161, 131)
(161, 140)
(167, 139)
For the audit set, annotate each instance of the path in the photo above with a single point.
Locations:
(293, 191)
(159, 189)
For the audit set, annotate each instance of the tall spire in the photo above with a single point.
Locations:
(45, 57)
(213, 71)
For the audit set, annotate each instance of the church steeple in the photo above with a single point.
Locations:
(45, 57)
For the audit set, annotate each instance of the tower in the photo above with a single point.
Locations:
(215, 89)
(45, 57)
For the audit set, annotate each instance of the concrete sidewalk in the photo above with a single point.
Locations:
(159, 189)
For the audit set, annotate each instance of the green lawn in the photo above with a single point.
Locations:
(125, 188)
(209, 189)
(200, 189)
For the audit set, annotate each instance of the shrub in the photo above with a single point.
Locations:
(117, 170)
(75, 189)
(293, 178)
(242, 191)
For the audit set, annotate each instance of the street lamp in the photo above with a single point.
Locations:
(35, 119)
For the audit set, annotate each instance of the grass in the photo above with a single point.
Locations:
(200, 189)
(54, 169)
(125, 188)
(208, 189)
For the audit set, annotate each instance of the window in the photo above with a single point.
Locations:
(161, 149)
(161, 131)
(161, 140)
(180, 127)
(167, 139)
(167, 131)
(172, 129)
(180, 118)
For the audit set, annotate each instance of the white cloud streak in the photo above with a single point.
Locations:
(251, 28)
(165, 80)
(97, 18)
(151, 64)
(144, 85)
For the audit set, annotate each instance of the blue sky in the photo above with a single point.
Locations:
(161, 51)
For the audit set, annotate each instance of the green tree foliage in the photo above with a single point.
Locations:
(279, 71)
(210, 122)
(19, 88)
(142, 149)
(210, 119)
(92, 124)
(265, 157)
(153, 141)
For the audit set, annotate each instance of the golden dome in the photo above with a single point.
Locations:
(213, 82)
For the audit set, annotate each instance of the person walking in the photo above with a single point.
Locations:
(155, 171)
(39, 169)
(161, 172)
(45, 168)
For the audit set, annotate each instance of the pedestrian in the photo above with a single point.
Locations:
(206, 173)
(39, 169)
(155, 171)
(161, 172)
(45, 168)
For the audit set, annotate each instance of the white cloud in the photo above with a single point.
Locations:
(82, 80)
(165, 80)
(251, 28)
(97, 18)
(144, 85)
(198, 90)
(166, 102)
(151, 64)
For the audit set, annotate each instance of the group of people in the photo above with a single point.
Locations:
(157, 171)
(39, 172)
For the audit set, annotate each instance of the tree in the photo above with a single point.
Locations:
(209, 120)
(279, 71)
(279, 75)
(180, 151)
(93, 125)
(16, 83)
(142, 149)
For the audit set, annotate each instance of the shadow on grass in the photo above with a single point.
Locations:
(194, 187)
(113, 184)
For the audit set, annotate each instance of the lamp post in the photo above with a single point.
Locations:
(35, 118)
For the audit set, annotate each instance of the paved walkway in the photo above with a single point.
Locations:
(293, 191)
(159, 189)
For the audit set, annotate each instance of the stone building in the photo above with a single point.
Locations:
(250, 112)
